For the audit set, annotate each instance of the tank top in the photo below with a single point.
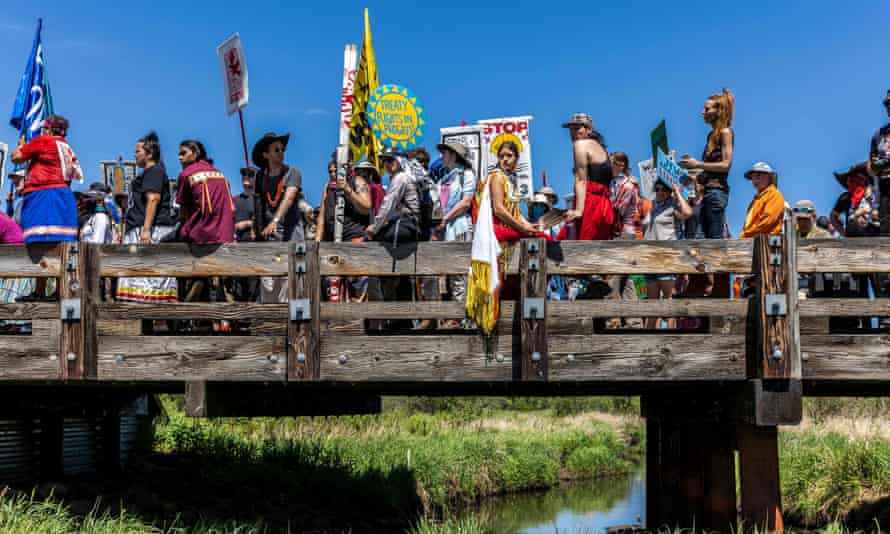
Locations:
(714, 180)
(600, 173)
(354, 223)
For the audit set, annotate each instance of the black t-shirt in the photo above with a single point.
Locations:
(152, 180)
(244, 211)
(851, 229)
(271, 191)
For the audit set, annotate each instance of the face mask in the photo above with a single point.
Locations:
(536, 211)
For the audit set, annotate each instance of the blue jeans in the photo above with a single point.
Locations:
(713, 213)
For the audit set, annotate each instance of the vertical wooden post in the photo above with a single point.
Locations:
(91, 296)
(533, 282)
(304, 289)
(776, 352)
(71, 332)
(759, 474)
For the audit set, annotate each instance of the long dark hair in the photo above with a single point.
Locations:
(598, 137)
(152, 146)
(197, 147)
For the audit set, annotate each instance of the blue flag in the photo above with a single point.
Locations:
(33, 101)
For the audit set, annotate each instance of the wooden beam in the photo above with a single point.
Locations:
(566, 310)
(32, 261)
(864, 358)
(71, 364)
(380, 259)
(645, 257)
(192, 310)
(90, 298)
(415, 359)
(699, 357)
(347, 311)
(25, 311)
(218, 399)
(34, 357)
(533, 285)
(851, 255)
(819, 307)
(759, 476)
(303, 334)
(172, 358)
(187, 260)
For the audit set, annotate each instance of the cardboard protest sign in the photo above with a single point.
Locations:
(118, 175)
(350, 56)
(667, 170)
(516, 129)
(234, 70)
(470, 137)
(648, 175)
(397, 118)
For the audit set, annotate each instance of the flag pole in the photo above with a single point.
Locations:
(243, 138)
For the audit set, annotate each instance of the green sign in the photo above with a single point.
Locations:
(659, 137)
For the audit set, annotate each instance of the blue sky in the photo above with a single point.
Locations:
(809, 77)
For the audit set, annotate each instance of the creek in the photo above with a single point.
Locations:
(577, 508)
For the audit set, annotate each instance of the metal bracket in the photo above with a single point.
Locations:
(533, 308)
(776, 305)
(534, 265)
(533, 247)
(300, 310)
(300, 267)
(70, 309)
(300, 249)
(775, 241)
(775, 259)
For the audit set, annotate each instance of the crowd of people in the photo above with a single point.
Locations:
(442, 200)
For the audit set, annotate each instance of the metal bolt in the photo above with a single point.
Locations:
(53, 357)
(342, 359)
(301, 357)
(119, 358)
(570, 358)
(776, 308)
(499, 357)
(71, 356)
(536, 356)
(273, 358)
(777, 354)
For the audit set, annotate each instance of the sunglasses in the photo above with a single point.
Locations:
(662, 190)
(805, 209)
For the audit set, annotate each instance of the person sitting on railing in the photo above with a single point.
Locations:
(499, 226)
(49, 212)
(149, 220)
(767, 211)
(207, 211)
(664, 223)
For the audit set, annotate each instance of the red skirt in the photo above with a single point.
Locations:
(598, 213)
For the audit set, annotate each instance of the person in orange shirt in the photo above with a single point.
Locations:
(767, 211)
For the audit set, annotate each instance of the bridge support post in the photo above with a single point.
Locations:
(304, 292)
(533, 279)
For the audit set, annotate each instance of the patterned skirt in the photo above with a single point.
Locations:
(147, 289)
(49, 216)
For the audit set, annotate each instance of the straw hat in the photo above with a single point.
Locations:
(460, 150)
(582, 119)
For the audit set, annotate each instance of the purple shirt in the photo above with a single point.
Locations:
(10, 232)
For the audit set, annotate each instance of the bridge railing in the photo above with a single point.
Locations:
(84, 336)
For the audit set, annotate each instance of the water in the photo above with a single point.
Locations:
(582, 508)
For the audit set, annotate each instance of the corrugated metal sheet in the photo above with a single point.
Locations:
(18, 457)
(80, 437)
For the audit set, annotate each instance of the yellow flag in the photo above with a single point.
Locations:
(361, 138)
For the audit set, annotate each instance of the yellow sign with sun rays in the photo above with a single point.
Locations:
(397, 118)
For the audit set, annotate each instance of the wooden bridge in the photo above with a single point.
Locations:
(707, 393)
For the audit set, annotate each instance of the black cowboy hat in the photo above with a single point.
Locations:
(95, 190)
(859, 168)
(263, 144)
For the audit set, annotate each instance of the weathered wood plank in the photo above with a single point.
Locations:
(30, 357)
(119, 327)
(71, 338)
(642, 257)
(815, 307)
(851, 255)
(842, 357)
(170, 358)
(415, 359)
(347, 311)
(379, 259)
(23, 311)
(633, 357)
(303, 334)
(560, 310)
(181, 259)
(533, 285)
(193, 310)
(38, 261)
(88, 272)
